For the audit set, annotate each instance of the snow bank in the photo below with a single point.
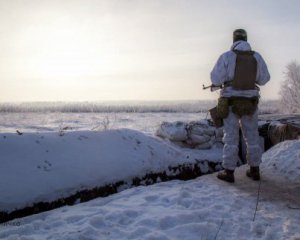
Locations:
(283, 160)
(37, 167)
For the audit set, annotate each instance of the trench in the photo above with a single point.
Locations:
(181, 172)
(271, 135)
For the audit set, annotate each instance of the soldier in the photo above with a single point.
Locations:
(239, 71)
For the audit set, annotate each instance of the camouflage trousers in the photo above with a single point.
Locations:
(249, 127)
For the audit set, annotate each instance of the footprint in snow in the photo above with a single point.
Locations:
(81, 137)
(48, 163)
(46, 166)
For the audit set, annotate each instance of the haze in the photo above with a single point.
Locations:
(93, 50)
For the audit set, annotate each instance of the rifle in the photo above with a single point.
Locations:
(226, 84)
(212, 87)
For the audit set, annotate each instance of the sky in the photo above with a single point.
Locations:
(98, 50)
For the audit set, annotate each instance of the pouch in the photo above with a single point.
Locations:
(223, 107)
(218, 122)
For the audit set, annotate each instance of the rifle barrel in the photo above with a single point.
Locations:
(206, 87)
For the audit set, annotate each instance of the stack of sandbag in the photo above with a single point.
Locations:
(196, 134)
(279, 132)
(175, 132)
(200, 135)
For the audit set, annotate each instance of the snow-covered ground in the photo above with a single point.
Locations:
(142, 116)
(284, 161)
(41, 122)
(204, 208)
(47, 166)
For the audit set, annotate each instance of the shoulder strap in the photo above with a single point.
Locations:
(239, 52)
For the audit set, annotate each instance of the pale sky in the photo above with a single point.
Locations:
(97, 50)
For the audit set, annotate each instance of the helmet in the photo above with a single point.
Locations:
(239, 34)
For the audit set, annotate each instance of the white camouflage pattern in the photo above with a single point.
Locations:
(249, 127)
(222, 72)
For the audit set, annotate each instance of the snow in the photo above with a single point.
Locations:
(81, 121)
(47, 166)
(283, 160)
(204, 208)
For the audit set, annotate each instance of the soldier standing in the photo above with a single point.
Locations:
(240, 70)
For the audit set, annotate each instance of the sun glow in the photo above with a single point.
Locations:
(60, 51)
(146, 50)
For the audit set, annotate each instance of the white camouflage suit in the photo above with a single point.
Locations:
(222, 72)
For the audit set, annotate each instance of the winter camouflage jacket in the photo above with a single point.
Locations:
(224, 69)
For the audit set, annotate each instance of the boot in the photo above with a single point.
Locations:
(253, 173)
(226, 175)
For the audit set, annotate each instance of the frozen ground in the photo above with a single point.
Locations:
(141, 116)
(41, 122)
(204, 208)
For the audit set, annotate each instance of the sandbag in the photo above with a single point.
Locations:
(199, 139)
(201, 130)
(279, 132)
(206, 145)
(173, 131)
